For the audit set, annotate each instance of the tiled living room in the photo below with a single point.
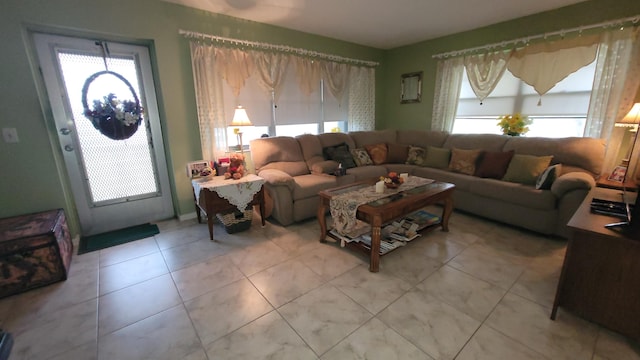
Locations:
(483, 290)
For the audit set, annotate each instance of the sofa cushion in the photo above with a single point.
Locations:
(421, 138)
(486, 142)
(276, 149)
(324, 167)
(514, 193)
(336, 138)
(306, 186)
(397, 154)
(339, 153)
(311, 149)
(437, 157)
(494, 164)
(367, 172)
(548, 176)
(363, 138)
(293, 168)
(464, 161)
(582, 152)
(525, 169)
(361, 157)
(378, 153)
(416, 155)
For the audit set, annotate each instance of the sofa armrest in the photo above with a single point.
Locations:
(324, 167)
(572, 181)
(276, 177)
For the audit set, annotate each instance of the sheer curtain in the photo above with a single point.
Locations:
(362, 93)
(485, 71)
(209, 101)
(219, 70)
(614, 88)
(447, 93)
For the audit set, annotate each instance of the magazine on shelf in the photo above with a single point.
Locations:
(423, 218)
(401, 230)
(386, 245)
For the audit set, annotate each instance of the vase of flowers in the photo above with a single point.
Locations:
(514, 125)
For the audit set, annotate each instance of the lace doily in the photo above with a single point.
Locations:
(238, 193)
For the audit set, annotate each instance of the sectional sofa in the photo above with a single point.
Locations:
(533, 183)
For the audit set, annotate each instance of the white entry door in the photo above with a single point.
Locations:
(116, 164)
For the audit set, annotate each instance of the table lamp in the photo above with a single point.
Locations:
(632, 225)
(240, 119)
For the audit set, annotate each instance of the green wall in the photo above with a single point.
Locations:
(32, 173)
(418, 57)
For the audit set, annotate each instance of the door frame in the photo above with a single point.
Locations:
(152, 111)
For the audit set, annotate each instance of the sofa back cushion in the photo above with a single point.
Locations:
(281, 152)
(573, 152)
(421, 138)
(364, 138)
(333, 139)
(311, 149)
(486, 142)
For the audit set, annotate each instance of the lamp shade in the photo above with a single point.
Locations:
(632, 117)
(240, 118)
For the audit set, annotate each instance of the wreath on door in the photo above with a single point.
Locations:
(114, 118)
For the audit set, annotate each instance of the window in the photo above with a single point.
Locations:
(562, 111)
(293, 113)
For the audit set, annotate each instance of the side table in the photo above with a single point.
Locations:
(601, 273)
(217, 195)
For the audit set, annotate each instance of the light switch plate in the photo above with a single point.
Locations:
(10, 135)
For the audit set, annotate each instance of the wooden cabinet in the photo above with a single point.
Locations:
(600, 279)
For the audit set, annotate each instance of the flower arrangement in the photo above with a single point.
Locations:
(514, 125)
(126, 112)
(236, 167)
(392, 180)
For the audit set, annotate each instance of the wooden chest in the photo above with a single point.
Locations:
(35, 250)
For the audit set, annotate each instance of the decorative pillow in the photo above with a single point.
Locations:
(340, 154)
(548, 176)
(416, 155)
(378, 153)
(397, 154)
(494, 164)
(464, 161)
(361, 157)
(437, 157)
(525, 169)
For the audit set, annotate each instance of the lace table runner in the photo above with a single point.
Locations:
(239, 193)
(345, 205)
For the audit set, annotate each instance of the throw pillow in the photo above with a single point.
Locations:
(378, 153)
(361, 157)
(493, 164)
(548, 176)
(416, 155)
(324, 167)
(525, 169)
(437, 157)
(340, 154)
(464, 161)
(397, 154)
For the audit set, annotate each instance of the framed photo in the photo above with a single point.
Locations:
(618, 174)
(194, 168)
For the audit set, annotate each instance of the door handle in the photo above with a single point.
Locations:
(68, 148)
(65, 131)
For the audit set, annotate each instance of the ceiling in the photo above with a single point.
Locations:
(383, 24)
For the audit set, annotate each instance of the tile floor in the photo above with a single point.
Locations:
(481, 291)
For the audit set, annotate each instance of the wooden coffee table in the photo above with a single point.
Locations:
(379, 213)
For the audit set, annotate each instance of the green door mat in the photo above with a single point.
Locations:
(117, 237)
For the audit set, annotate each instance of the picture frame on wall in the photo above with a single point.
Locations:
(411, 87)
